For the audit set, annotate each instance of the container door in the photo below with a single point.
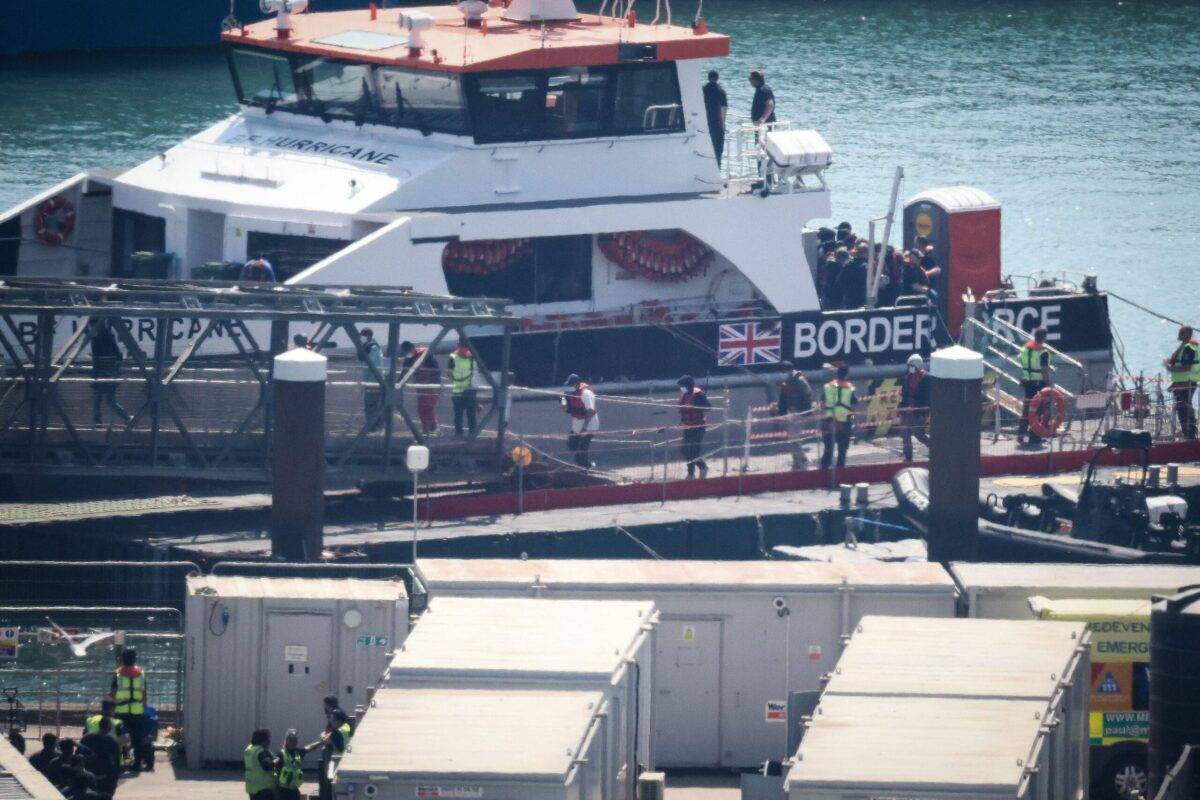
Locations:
(297, 674)
(687, 710)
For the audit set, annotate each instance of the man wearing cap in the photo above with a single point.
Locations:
(831, 278)
(1184, 366)
(852, 281)
(692, 404)
(762, 107)
(580, 404)
(716, 105)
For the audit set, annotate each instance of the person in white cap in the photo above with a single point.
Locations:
(914, 405)
(580, 405)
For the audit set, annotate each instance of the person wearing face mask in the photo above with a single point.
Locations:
(914, 405)
(692, 405)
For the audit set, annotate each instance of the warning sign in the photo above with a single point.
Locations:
(814, 652)
(689, 633)
(776, 711)
(454, 792)
(9, 643)
(295, 652)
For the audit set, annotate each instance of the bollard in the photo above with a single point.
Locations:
(298, 455)
(862, 494)
(954, 431)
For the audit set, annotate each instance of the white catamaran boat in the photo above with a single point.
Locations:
(527, 151)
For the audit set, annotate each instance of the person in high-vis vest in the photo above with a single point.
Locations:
(838, 422)
(108, 710)
(580, 404)
(259, 766)
(1184, 366)
(334, 743)
(1036, 375)
(289, 767)
(462, 388)
(129, 692)
(692, 404)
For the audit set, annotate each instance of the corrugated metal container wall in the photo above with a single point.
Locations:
(262, 652)
(932, 748)
(548, 644)
(531, 744)
(1048, 662)
(734, 637)
(1001, 591)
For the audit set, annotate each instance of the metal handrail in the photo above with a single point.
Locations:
(1055, 351)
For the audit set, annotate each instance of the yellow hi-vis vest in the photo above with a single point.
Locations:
(346, 734)
(291, 771)
(130, 694)
(92, 725)
(464, 368)
(1031, 363)
(257, 778)
(839, 398)
(1185, 373)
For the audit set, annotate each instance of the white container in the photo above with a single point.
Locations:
(545, 645)
(734, 639)
(932, 748)
(1001, 591)
(973, 659)
(480, 743)
(263, 652)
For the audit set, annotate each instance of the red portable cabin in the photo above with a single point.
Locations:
(963, 225)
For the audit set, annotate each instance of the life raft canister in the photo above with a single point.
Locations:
(59, 209)
(1045, 421)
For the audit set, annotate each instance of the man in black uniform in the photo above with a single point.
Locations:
(762, 108)
(716, 104)
(103, 757)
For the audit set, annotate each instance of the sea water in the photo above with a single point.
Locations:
(1081, 116)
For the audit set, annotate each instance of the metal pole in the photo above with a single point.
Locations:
(416, 499)
(58, 698)
(666, 448)
(887, 237)
(521, 477)
(725, 439)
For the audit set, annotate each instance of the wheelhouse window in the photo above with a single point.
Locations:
(338, 90)
(646, 100)
(508, 107)
(263, 79)
(575, 103)
(427, 101)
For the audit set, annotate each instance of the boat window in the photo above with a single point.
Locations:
(422, 100)
(576, 102)
(547, 269)
(133, 232)
(337, 89)
(289, 254)
(646, 100)
(508, 107)
(262, 79)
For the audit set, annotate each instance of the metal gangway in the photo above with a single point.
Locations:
(192, 396)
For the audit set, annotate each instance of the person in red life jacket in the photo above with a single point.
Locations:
(838, 422)
(580, 405)
(429, 378)
(129, 690)
(1036, 375)
(1184, 366)
(692, 404)
(914, 405)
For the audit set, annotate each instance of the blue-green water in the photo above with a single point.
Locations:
(1082, 117)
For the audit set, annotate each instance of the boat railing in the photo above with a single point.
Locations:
(1000, 343)
(653, 312)
(746, 166)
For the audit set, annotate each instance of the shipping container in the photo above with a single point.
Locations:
(19, 780)
(263, 652)
(530, 644)
(1002, 591)
(933, 748)
(532, 744)
(973, 659)
(735, 640)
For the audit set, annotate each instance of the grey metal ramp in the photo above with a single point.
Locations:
(19, 780)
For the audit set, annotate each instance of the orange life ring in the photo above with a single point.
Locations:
(1045, 424)
(58, 208)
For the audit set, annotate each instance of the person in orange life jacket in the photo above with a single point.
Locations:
(914, 405)
(692, 403)
(430, 375)
(129, 690)
(580, 405)
(1036, 375)
(839, 417)
(1184, 366)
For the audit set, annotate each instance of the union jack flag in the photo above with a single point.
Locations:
(746, 343)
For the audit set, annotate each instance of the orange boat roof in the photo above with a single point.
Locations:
(588, 41)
